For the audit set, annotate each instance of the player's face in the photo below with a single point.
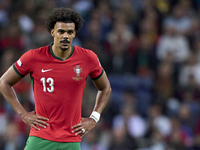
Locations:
(63, 34)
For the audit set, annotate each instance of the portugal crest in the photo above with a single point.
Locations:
(78, 71)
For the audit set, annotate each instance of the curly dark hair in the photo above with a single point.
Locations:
(64, 15)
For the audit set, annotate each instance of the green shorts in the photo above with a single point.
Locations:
(36, 143)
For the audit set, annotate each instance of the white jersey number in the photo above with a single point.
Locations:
(50, 81)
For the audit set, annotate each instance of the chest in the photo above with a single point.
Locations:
(60, 73)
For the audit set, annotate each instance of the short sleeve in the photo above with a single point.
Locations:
(24, 64)
(96, 70)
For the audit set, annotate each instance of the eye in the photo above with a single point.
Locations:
(70, 32)
(61, 31)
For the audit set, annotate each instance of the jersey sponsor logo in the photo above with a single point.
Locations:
(46, 70)
(78, 71)
(19, 62)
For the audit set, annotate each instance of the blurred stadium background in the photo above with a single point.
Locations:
(150, 50)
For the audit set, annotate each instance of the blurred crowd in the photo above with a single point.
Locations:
(150, 50)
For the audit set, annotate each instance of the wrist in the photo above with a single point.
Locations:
(22, 114)
(95, 116)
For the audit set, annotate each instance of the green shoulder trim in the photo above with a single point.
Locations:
(99, 75)
(18, 73)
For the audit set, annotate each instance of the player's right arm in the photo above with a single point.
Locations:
(8, 79)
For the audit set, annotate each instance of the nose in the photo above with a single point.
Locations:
(65, 35)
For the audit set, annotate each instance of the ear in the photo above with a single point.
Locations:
(52, 33)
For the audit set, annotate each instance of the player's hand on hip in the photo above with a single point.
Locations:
(34, 120)
(84, 126)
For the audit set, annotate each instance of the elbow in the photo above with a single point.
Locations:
(2, 84)
(106, 90)
(109, 90)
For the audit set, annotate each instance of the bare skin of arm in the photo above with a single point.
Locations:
(9, 79)
(104, 90)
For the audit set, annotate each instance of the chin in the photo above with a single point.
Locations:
(64, 48)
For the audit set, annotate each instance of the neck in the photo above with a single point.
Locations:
(63, 54)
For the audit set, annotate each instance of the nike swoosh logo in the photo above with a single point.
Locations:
(46, 70)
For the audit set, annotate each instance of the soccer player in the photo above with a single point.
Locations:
(58, 72)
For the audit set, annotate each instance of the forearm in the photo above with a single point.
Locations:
(104, 90)
(102, 99)
(9, 94)
(9, 79)
(87, 124)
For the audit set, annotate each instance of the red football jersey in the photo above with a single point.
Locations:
(58, 88)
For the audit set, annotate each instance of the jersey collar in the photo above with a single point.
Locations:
(51, 51)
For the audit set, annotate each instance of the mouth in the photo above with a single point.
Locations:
(65, 42)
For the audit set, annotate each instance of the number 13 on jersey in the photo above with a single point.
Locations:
(49, 82)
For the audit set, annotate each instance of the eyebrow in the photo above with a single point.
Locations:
(66, 30)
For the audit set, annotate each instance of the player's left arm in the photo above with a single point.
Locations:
(104, 91)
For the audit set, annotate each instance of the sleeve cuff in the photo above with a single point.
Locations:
(99, 75)
(17, 71)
